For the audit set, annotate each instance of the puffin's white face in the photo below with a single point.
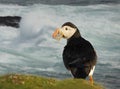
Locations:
(64, 32)
(67, 31)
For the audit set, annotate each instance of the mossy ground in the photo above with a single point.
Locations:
(16, 81)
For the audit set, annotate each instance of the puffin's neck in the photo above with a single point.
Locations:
(75, 36)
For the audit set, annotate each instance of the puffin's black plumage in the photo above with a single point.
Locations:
(79, 55)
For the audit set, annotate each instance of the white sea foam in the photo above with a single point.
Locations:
(8, 33)
(11, 10)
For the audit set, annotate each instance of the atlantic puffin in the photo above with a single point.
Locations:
(79, 56)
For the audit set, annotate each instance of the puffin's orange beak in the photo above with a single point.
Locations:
(57, 34)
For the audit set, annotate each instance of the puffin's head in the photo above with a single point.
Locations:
(67, 31)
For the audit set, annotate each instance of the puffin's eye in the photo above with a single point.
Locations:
(66, 28)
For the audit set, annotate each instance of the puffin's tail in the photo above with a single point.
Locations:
(79, 70)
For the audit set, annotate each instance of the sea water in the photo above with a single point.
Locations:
(31, 49)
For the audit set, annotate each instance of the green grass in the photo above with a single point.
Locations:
(16, 81)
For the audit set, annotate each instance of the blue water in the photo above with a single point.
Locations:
(30, 49)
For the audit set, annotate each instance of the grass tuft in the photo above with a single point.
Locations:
(17, 81)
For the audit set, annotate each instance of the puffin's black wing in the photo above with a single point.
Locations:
(79, 56)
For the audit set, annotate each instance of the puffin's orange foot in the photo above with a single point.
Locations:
(91, 80)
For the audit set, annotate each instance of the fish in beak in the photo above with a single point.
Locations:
(57, 34)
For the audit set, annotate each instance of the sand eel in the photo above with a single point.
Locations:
(79, 55)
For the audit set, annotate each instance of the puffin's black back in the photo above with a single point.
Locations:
(79, 55)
